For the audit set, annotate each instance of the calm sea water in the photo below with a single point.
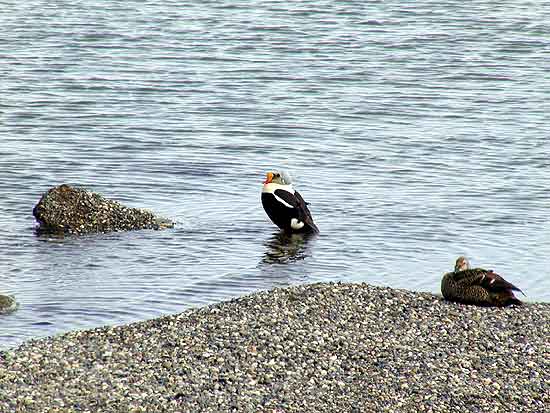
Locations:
(417, 133)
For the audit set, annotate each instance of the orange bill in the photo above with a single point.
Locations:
(269, 177)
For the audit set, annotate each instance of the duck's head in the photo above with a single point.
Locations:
(462, 263)
(278, 177)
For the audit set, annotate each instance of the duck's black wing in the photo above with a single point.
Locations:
(494, 282)
(488, 279)
(304, 211)
(300, 207)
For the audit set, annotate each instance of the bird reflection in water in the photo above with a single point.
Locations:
(284, 248)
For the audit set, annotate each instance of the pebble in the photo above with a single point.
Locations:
(310, 348)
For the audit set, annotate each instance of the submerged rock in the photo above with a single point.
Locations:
(7, 304)
(65, 209)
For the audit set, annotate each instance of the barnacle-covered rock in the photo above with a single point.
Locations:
(7, 304)
(65, 209)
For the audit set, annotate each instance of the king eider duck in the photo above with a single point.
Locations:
(285, 206)
(477, 286)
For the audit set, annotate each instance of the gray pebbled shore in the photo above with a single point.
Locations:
(310, 348)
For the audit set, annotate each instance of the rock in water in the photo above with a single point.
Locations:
(7, 304)
(65, 209)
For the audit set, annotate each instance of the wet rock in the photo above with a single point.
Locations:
(65, 209)
(7, 304)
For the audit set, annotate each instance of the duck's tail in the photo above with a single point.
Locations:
(517, 289)
(513, 301)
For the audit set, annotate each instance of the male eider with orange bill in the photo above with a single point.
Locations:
(285, 206)
(477, 286)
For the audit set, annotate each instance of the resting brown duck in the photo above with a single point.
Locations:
(477, 286)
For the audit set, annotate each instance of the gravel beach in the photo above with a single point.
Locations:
(309, 348)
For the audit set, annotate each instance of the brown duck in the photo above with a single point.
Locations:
(477, 286)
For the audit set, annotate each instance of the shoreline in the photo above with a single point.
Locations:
(312, 348)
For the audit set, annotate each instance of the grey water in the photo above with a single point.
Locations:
(418, 132)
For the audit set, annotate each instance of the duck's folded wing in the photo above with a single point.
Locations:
(494, 282)
(304, 214)
(487, 279)
(296, 201)
(287, 197)
(472, 276)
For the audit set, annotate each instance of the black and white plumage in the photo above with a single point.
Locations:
(284, 205)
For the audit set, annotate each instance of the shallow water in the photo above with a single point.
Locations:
(416, 133)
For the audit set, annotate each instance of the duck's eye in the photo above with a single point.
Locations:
(277, 175)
